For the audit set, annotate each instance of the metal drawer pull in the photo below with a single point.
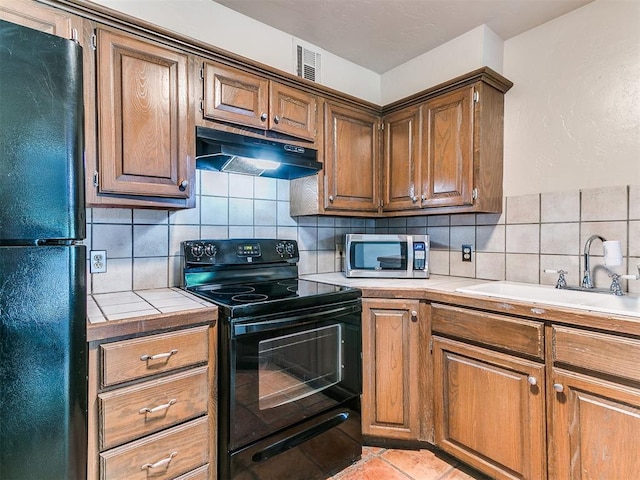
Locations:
(159, 463)
(158, 356)
(158, 408)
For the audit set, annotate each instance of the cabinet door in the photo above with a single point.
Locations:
(351, 163)
(391, 378)
(232, 95)
(489, 410)
(145, 138)
(448, 140)
(292, 111)
(402, 147)
(39, 17)
(595, 428)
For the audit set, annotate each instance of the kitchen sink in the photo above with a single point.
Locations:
(545, 294)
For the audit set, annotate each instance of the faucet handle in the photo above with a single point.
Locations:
(615, 287)
(562, 281)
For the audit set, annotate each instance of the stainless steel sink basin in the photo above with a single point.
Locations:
(548, 295)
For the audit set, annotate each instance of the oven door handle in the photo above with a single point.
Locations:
(292, 321)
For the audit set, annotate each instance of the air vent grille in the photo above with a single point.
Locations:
(307, 63)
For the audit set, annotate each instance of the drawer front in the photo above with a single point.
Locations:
(595, 351)
(201, 473)
(141, 357)
(133, 412)
(508, 333)
(161, 456)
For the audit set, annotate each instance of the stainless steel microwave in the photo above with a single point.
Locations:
(386, 256)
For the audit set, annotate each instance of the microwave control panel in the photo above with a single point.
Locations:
(419, 255)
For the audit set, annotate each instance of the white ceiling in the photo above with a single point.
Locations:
(382, 34)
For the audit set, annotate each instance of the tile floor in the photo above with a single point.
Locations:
(393, 464)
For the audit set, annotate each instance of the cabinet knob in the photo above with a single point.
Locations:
(276, 119)
(558, 387)
(423, 197)
(183, 185)
(414, 199)
(414, 316)
(263, 117)
(331, 198)
(532, 380)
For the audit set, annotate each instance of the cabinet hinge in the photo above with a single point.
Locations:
(431, 345)
(74, 35)
(474, 193)
(476, 96)
(96, 183)
(202, 105)
(202, 73)
(94, 41)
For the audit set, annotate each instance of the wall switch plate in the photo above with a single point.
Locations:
(466, 253)
(98, 261)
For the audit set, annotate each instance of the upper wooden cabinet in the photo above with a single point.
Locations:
(402, 151)
(235, 96)
(455, 159)
(145, 129)
(351, 165)
(40, 17)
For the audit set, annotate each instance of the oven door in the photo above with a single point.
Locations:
(287, 369)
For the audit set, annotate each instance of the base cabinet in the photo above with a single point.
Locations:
(490, 409)
(394, 336)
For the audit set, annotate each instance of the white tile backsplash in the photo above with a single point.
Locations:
(536, 232)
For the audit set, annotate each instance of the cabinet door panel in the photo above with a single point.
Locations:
(391, 381)
(595, 428)
(142, 107)
(39, 17)
(448, 124)
(235, 96)
(486, 411)
(351, 159)
(402, 147)
(292, 111)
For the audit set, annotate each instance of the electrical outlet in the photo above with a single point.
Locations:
(98, 261)
(466, 253)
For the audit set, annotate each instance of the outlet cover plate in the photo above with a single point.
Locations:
(98, 261)
(466, 253)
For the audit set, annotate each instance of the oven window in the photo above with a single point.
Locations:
(379, 255)
(295, 366)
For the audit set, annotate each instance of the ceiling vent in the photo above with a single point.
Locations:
(307, 63)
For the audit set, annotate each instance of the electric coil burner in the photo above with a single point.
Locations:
(289, 379)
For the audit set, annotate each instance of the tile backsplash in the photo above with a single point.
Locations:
(534, 233)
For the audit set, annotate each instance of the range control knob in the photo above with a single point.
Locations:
(197, 250)
(280, 249)
(290, 248)
(210, 250)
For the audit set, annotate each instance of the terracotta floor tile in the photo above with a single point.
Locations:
(418, 464)
(372, 469)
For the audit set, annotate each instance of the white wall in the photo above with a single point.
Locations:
(572, 119)
(224, 28)
(475, 49)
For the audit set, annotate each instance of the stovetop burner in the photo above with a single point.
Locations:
(249, 297)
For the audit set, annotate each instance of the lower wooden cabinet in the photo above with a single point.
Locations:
(395, 375)
(152, 412)
(490, 409)
(595, 428)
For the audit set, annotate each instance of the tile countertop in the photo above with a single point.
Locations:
(439, 288)
(131, 312)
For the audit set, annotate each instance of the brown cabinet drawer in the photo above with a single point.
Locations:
(161, 456)
(124, 413)
(600, 352)
(508, 333)
(140, 357)
(201, 473)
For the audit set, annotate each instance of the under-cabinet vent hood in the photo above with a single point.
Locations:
(235, 153)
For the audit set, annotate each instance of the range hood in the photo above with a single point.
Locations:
(235, 153)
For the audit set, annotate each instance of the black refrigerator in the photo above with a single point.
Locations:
(43, 352)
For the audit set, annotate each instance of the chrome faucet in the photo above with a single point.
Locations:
(587, 282)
